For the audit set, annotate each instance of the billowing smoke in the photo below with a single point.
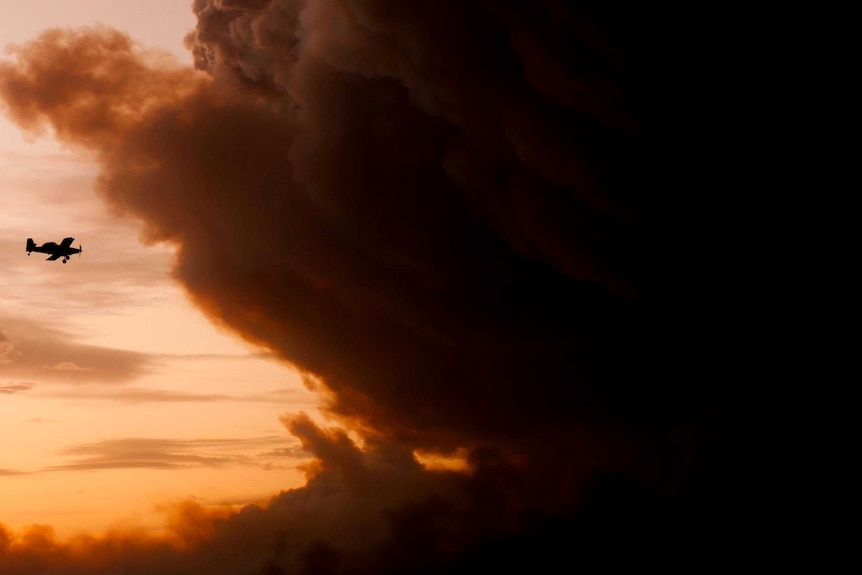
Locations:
(454, 217)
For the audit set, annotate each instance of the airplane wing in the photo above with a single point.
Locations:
(53, 257)
(66, 242)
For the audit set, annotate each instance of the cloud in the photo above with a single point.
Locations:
(29, 349)
(83, 68)
(70, 366)
(15, 387)
(371, 510)
(132, 395)
(155, 453)
(303, 527)
(462, 223)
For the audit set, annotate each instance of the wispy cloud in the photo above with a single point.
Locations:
(40, 420)
(133, 395)
(70, 366)
(10, 388)
(32, 350)
(160, 453)
(130, 395)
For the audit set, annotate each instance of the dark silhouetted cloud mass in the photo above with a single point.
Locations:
(464, 222)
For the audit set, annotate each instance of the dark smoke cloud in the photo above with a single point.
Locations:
(464, 222)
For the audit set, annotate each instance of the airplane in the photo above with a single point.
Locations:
(64, 250)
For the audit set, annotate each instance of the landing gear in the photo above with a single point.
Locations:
(65, 260)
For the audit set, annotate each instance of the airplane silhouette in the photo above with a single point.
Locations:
(64, 250)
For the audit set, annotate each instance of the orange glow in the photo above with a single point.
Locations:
(194, 416)
(455, 461)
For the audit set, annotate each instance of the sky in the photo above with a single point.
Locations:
(109, 376)
(366, 287)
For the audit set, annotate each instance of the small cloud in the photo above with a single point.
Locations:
(132, 395)
(159, 453)
(70, 366)
(10, 388)
(7, 349)
(292, 452)
(276, 396)
(32, 350)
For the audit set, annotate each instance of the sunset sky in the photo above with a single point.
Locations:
(110, 379)
(368, 287)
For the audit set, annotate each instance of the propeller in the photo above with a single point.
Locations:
(80, 250)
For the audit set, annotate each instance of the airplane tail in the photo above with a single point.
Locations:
(31, 245)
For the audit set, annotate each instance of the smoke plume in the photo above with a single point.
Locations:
(462, 221)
